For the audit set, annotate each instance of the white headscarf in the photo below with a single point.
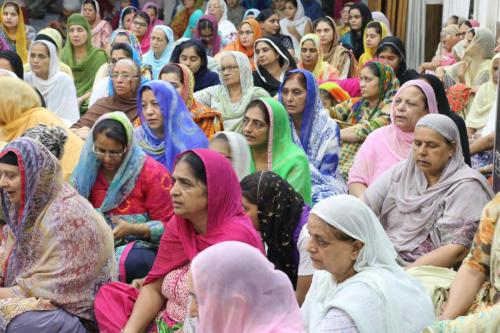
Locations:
(299, 21)
(226, 28)
(58, 90)
(380, 17)
(231, 113)
(375, 268)
(240, 152)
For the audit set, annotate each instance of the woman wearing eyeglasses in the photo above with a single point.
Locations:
(129, 188)
(232, 97)
(125, 76)
(248, 32)
(141, 27)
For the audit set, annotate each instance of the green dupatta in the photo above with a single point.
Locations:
(83, 72)
(284, 157)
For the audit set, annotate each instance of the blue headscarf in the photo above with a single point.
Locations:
(133, 42)
(193, 21)
(150, 59)
(320, 140)
(180, 131)
(85, 174)
(312, 107)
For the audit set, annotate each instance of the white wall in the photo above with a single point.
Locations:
(487, 12)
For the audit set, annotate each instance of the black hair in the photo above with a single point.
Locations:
(265, 14)
(205, 24)
(454, 18)
(375, 25)
(326, 94)
(262, 107)
(91, 2)
(281, 61)
(357, 36)
(326, 20)
(200, 51)
(196, 165)
(301, 77)
(373, 68)
(388, 47)
(293, 2)
(220, 136)
(47, 39)
(124, 47)
(10, 158)
(279, 209)
(155, 9)
(143, 15)
(15, 62)
(172, 68)
(128, 10)
(13, 4)
(111, 129)
(249, 186)
(466, 22)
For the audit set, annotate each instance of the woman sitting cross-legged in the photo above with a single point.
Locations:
(129, 188)
(208, 210)
(421, 201)
(57, 249)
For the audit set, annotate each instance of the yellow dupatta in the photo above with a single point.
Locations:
(370, 52)
(322, 71)
(19, 38)
(22, 110)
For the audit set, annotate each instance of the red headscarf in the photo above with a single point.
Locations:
(226, 220)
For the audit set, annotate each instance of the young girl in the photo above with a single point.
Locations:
(374, 33)
(295, 24)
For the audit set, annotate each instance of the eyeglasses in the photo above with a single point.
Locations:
(247, 32)
(101, 153)
(228, 68)
(141, 24)
(124, 76)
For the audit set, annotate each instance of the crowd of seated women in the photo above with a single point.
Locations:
(245, 166)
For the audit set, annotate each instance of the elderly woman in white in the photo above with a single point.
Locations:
(358, 286)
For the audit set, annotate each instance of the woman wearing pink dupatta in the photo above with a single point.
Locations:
(391, 144)
(142, 28)
(208, 210)
(235, 295)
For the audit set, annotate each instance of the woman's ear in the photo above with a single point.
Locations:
(357, 245)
